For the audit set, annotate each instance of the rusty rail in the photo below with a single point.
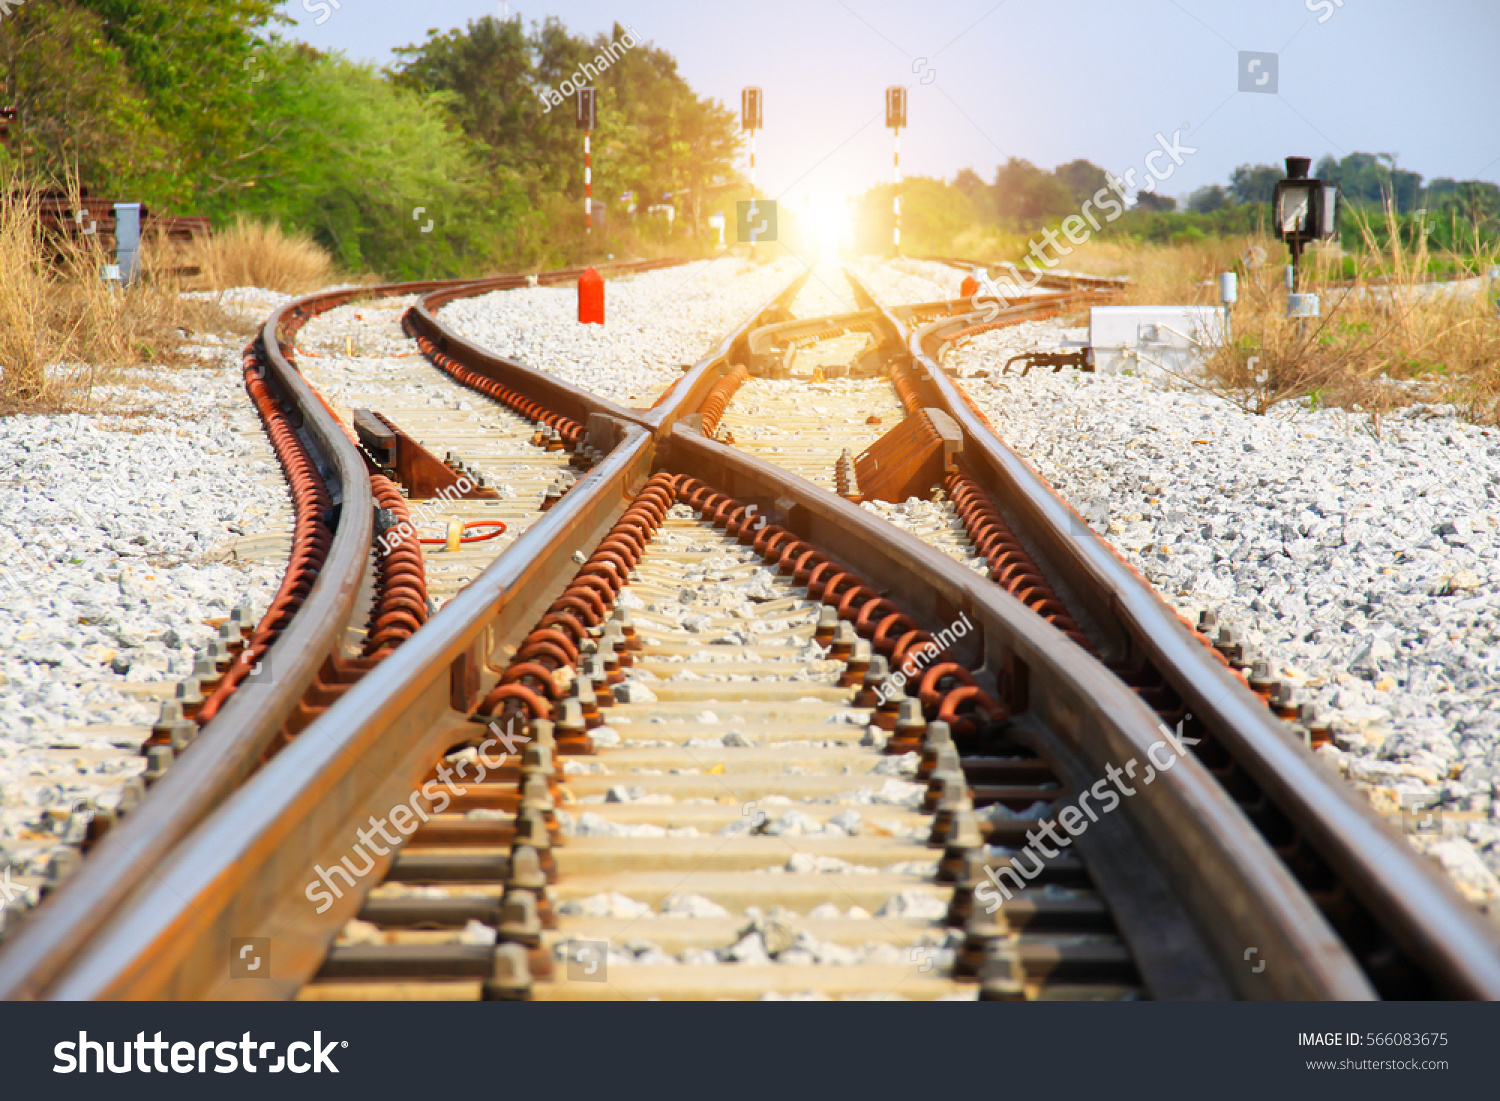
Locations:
(1412, 932)
(301, 639)
(1192, 880)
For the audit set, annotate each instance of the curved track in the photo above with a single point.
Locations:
(1068, 669)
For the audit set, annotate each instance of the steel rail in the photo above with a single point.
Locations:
(1218, 869)
(243, 872)
(240, 871)
(230, 747)
(124, 876)
(234, 743)
(1065, 280)
(1456, 950)
(685, 396)
(1165, 639)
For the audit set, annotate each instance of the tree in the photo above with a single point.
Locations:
(1478, 201)
(933, 213)
(80, 112)
(1254, 183)
(1082, 178)
(1026, 196)
(364, 164)
(1208, 199)
(1372, 180)
(655, 137)
(489, 71)
(192, 61)
(978, 193)
(1149, 200)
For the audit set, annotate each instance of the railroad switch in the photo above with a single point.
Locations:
(911, 458)
(402, 459)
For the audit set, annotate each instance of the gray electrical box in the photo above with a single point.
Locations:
(128, 241)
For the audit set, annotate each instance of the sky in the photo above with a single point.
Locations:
(1045, 80)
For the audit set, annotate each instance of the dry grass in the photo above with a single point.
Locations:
(1385, 341)
(64, 331)
(259, 254)
(1180, 274)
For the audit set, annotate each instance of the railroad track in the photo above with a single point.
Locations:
(710, 832)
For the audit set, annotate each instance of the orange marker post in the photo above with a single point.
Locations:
(591, 298)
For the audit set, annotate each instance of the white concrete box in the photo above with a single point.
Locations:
(1165, 340)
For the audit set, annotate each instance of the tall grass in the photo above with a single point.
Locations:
(28, 341)
(1385, 339)
(64, 330)
(259, 254)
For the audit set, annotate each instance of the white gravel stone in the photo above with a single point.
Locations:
(657, 324)
(605, 735)
(904, 281)
(892, 793)
(1360, 556)
(807, 864)
(632, 793)
(633, 691)
(999, 812)
(610, 904)
(691, 906)
(122, 535)
(477, 932)
(914, 906)
(903, 765)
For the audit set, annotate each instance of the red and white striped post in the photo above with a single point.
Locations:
(586, 120)
(750, 119)
(752, 186)
(896, 192)
(895, 118)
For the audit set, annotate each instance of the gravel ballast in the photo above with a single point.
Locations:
(657, 324)
(1359, 557)
(125, 538)
(897, 282)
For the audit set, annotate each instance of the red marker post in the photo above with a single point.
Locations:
(591, 298)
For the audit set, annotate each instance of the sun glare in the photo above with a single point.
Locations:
(828, 224)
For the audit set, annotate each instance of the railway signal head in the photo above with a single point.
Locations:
(586, 110)
(1304, 209)
(750, 117)
(895, 107)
